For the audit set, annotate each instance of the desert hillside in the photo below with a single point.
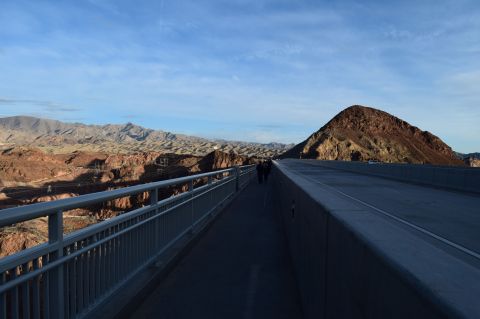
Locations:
(29, 176)
(59, 137)
(361, 133)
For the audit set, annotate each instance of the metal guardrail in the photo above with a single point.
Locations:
(70, 274)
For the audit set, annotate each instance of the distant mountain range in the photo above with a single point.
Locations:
(60, 137)
(467, 155)
(361, 133)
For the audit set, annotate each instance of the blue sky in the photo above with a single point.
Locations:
(246, 70)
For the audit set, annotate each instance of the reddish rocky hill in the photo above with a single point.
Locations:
(361, 133)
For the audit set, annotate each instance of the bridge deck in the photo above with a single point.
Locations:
(239, 269)
(451, 216)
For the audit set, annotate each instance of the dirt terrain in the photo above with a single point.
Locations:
(30, 176)
(361, 133)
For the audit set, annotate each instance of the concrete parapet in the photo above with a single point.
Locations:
(455, 178)
(352, 263)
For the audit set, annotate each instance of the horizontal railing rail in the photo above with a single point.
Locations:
(71, 274)
(18, 214)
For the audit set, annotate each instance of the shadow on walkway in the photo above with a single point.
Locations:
(239, 269)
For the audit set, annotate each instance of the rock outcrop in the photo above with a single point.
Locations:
(472, 161)
(22, 164)
(361, 133)
(218, 160)
(30, 176)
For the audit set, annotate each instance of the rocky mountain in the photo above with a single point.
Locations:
(59, 137)
(474, 155)
(361, 133)
(471, 159)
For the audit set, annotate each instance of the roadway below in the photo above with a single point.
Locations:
(240, 268)
(448, 219)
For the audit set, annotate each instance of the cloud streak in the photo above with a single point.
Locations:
(48, 106)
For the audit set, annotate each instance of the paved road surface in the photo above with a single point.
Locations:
(449, 215)
(240, 269)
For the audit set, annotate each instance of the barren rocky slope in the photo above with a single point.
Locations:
(472, 162)
(361, 133)
(58, 137)
(30, 176)
(471, 159)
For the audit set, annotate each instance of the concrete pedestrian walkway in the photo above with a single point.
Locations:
(239, 269)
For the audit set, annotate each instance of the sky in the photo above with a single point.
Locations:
(253, 70)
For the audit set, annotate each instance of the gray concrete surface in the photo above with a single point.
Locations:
(449, 177)
(351, 261)
(449, 214)
(239, 269)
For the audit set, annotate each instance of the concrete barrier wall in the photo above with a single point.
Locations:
(350, 263)
(456, 178)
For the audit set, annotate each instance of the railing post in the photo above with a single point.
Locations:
(237, 178)
(190, 189)
(154, 202)
(154, 197)
(56, 294)
(3, 299)
(210, 182)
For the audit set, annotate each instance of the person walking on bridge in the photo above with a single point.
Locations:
(260, 169)
(267, 166)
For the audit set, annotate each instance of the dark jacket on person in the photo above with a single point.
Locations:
(260, 172)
